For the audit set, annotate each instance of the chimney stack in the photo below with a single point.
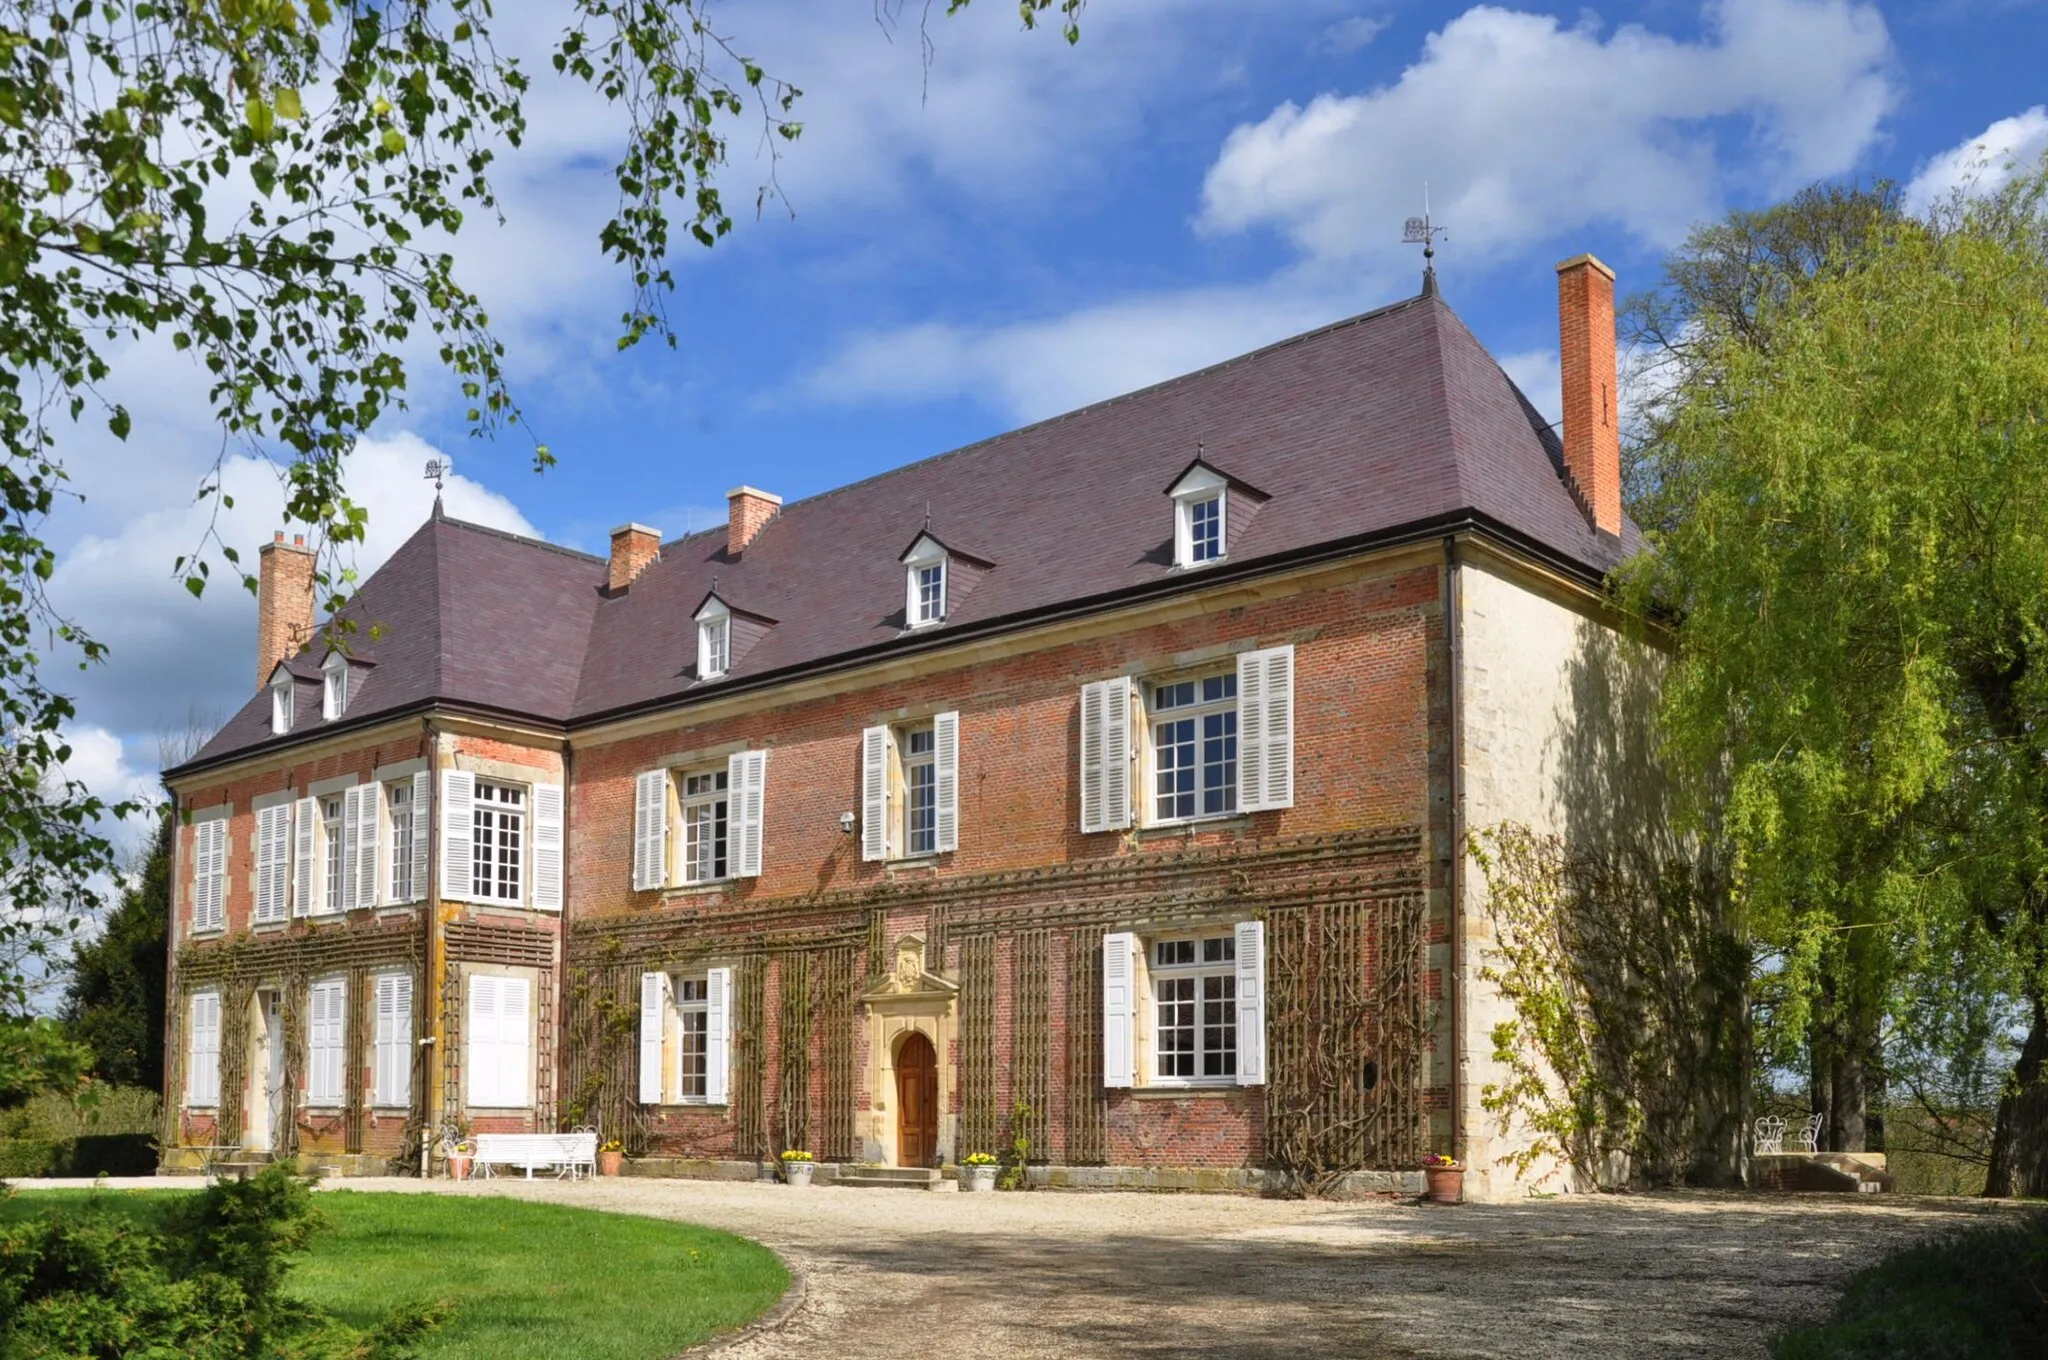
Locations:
(635, 547)
(284, 601)
(750, 511)
(1592, 435)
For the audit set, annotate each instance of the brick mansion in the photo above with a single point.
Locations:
(1104, 783)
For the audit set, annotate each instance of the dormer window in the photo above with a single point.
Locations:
(925, 583)
(1200, 529)
(714, 640)
(334, 686)
(281, 702)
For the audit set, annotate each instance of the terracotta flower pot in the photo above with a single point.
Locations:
(1446, 1184)
(459, 1164)
(610, 1163)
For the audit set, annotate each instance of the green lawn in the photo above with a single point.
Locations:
(529, 1281)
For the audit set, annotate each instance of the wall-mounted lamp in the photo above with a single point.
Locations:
(846, 823)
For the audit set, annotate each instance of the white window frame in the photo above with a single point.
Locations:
(1212, 958)
(1200, 487)
(887, 805)
(491, 806)
(391, 1043)
(687, 1007)
(911, 763)
(327, 1044)
(714, 640)
(202, 1051)
(334, 857)
(273, 864)
(1199, 711)
(281, 703)
(400, 875)
(210, 871)
(715, 802)
(333, 687)
(476, 1091)
(920, 610)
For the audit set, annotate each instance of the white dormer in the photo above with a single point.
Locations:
(280, 701)
(926, 567)
(714, 639)
(333, 686)
(1200, 531)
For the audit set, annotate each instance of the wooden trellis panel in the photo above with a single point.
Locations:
(793, 1042)
(1031, 1037)
(750, 1056)
(1087, 1110)
(357, 1046)
(834, 995)
(979, 1125)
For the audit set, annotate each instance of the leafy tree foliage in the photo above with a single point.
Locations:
(114, 993)
(1861, 570)
(277, 188)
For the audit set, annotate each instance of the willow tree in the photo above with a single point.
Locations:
(1861, 571)
(278, 188)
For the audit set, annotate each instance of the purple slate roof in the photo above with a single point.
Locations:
(1395, 420)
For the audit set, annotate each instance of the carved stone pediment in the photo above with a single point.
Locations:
(909, 979)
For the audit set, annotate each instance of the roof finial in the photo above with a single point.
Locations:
(437, 468)
(1421, 231)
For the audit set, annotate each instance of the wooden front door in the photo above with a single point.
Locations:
(917, 1102)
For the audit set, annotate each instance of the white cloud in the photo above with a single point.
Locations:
(1525, 128)
(1984, 163)
(171, 652)
(1536, 372)
(1349, 35)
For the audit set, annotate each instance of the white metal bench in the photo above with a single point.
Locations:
(1771, 1130)
(567, 1154)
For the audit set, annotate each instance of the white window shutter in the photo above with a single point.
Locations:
(481, 1059)
(654, 994)
(946, 780)
(1265, 729)
(458, 835)
(515, 1067)
(391, 1080)
(875, 746)
(550, 812)
(717, 1035)
(202, 1076)
(327, 1005)
(1119, 1008)
(1106, 755)
(305, 859)
(422, 804)
(369, 819)
(1251, 1003)
(273, 861)
(746, 781)
(650, 830)
(209, 874)
(351, 836)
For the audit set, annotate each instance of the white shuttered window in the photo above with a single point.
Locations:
(306, 883)
(1119, 1008)
(650, 830)
(550, 813)
(717, 1035)
(202, 1066)
(391, 1072)
(273, 861)
(326, 1028)
(210, 874)
(654, 1004)
(946, 773)
(1251, 1003)
(1265, 729)
(458, 834)
(877, 745)
(747, 786)
(500, 1070)
(363, 842)
(1106, 755)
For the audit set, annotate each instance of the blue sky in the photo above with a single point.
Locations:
(1027, 226)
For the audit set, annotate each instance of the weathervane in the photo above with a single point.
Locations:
(1420, 231)
(437, 469)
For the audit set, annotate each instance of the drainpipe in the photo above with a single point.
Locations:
(1454, 602)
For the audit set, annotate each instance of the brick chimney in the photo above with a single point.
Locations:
(284, 601)
(1592, 435)
(750, 511)
(635, 548)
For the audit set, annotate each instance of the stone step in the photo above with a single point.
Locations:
(886, 1177)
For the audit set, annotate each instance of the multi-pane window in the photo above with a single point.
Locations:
(704, 827)
(931, 593)
(334, 688)
(920, 793)
(714, 643)
(1194, 748)
(1194, 997)
(332, 879)
(399, 809)
(500, 820)
(693, 997)
(1205, 530)
(326, 1027)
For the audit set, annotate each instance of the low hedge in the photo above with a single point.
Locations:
(93, 1154)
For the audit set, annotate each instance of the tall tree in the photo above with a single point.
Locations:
(1862, 572)
(114, 994)
(279, 188)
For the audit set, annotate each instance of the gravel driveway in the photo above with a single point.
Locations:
(901, 1273)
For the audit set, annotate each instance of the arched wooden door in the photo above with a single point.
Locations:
(917, 1102)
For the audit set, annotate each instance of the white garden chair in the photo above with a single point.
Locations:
(1770, 1135)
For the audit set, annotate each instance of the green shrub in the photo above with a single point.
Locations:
(1981, 1294)
(87, 1282)
(31, 1157)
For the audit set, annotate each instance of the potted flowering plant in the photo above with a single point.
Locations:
(457, 1150)
(978, 1171)
(611, 1157)
(797, 1166)
(1445, 1177)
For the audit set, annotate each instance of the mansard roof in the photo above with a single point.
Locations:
(1393, 424)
